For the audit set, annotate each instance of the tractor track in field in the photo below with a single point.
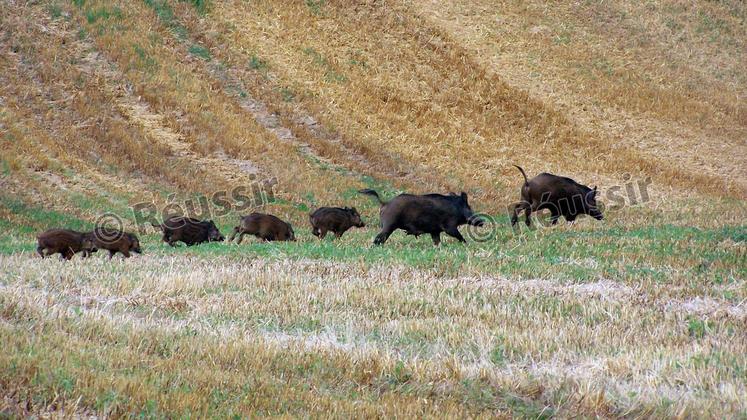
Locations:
(231, 84)
(153, 124)
(285, 126)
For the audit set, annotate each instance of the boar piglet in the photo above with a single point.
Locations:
(114, 240)
(334, 219)
(188, 230)
(264, 226)
(65, 242)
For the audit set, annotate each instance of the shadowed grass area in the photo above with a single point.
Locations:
(661, 254)
(35, 218)
(589, 251)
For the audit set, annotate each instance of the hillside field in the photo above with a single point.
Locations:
(127, 110)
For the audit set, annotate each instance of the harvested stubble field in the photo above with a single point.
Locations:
(107, 104)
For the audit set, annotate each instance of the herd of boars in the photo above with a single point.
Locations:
(415, 214)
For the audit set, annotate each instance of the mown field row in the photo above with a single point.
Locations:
(185, 334)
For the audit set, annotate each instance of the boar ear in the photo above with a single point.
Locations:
(464, 196)
(595, 190)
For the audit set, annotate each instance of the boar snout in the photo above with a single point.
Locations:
(476, 221)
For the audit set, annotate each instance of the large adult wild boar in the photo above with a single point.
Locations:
(429, 213)
(264, 226)
(114, 241)
(188, 230)
(65, 242)
(562, 196)
(334, 219)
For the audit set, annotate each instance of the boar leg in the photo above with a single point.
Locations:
(555, 216)
(171, 240)
(383, 235)
(338, 234)
(436, 236)
(528, 215)
(518, 208)
(167, 238)
(40, 250)
(241, 237)
(322, 233)
(454, 232)
(235, 232)
(125, 252)
(68, 254)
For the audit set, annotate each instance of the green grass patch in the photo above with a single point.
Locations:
(103, 13)
(36, 218)
(256, 63)
(698, 328)
(287, 94)
(200, 51)
(144, 60)
(165, 14)
(4, 167)
(315, 6)
(55, 11)
(569, 255)
(200, 5)
(330, 73)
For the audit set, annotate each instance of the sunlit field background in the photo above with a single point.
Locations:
(105, 105)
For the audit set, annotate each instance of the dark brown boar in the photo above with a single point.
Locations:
(114, 241)
(429, 213)
(562, 196)
(334, 219)
(264, 226)
(188, 230)
(65, 242)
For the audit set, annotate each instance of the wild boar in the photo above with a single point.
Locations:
(66, 242)
(429, 213)
(264, 226)
(114, 241)
(188, 230)
(562, 196)
(334, 219)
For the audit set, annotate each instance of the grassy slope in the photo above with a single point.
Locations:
(106, 104)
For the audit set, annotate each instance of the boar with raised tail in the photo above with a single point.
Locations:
(429, 213)
(562, 196)
(115, 240)
(264, 226)
(188, 230)
(334, 219)
(65, 242)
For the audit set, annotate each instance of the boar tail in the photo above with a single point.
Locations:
(526, 180)
(373, 194)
